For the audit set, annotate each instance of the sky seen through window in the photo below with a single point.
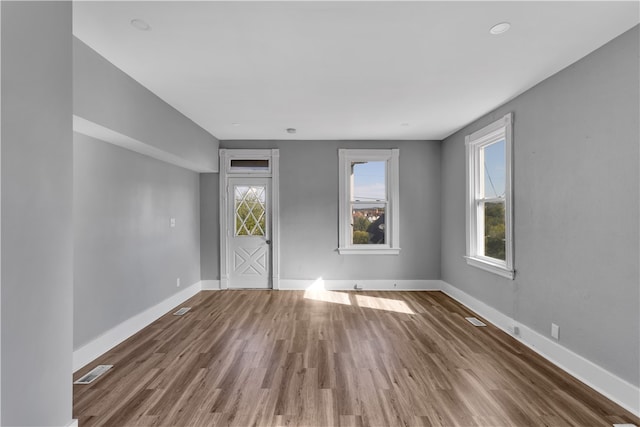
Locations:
(369, 181)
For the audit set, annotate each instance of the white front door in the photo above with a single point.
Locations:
(249, 232)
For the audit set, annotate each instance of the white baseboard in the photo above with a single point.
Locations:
(210, 285)
(74, 423)
(124, 330)
(604, 382)
(365, 285)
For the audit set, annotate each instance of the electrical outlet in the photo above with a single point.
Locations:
(172, 222)
(395, 285)
(555, 331)
(178, 282)
(514, 329)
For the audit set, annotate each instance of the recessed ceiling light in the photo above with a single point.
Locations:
(500, 28)
(140, 25)
(291, 130)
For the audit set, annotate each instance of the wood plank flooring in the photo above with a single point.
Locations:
(290, 358)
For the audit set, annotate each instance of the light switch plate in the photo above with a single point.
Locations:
(555, 331)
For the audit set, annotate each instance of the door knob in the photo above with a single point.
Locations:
(268, 242)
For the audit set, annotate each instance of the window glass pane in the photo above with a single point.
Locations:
(369, 182)
(253, 165)
(494, 226)
(369, 226)
(494, 169)
(250, 202)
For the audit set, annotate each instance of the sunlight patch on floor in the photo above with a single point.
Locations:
(383, 304)
(318, 292)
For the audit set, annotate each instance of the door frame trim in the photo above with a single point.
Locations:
(226, 155)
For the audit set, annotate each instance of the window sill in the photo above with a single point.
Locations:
(368, 251)
(491, 267)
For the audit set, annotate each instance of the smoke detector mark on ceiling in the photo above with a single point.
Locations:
(500, 28)
(140, 25)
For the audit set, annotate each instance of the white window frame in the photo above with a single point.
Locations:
(392, 213)
(499, 130)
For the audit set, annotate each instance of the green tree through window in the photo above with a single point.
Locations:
(494, 231)
(250, 211)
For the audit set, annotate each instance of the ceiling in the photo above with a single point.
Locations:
(344, 70)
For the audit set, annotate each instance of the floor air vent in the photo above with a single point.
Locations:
(474, 321)
(182, 311)
(93, 374)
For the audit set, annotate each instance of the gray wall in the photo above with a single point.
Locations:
(37, 230)
(576, 213)
(309, 213)
(209, 226)
(105, 95)
(127, 257)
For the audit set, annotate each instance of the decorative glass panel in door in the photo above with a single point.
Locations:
(250, 210)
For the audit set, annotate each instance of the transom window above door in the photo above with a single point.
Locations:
(249, 165)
